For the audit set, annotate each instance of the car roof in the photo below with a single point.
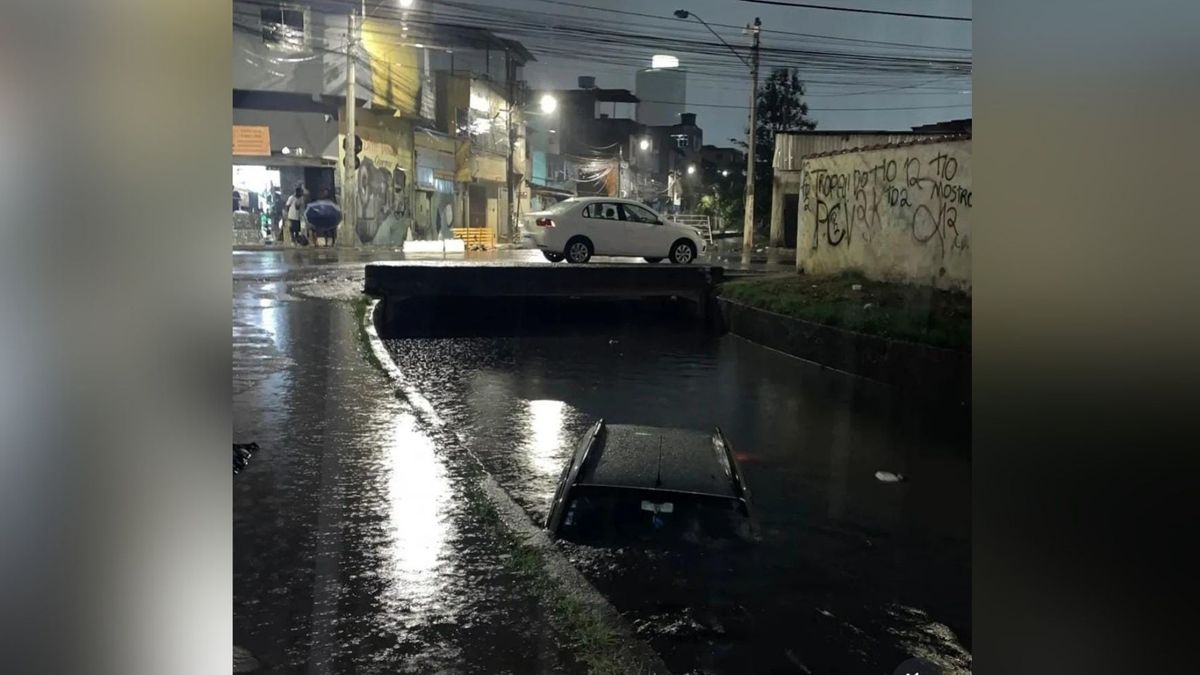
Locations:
(657, 458)
(650, 462)
(589, 200)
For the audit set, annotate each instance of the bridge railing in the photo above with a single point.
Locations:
(702, 223)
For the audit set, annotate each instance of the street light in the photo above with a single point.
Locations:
(691, 169)
(684, 14)
(406, 3)
(748, 200)
(548, 103)
(644, 144)
(725, 172)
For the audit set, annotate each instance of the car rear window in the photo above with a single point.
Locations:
(560, 206)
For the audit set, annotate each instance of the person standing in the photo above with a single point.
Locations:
(295, 211)
(237, 199)
(276, 213)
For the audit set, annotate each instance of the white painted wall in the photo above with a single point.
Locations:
(901, 213)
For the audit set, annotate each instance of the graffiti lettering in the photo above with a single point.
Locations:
(854, 205)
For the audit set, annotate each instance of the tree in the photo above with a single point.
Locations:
(781, 107)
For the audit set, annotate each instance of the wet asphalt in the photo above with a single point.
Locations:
(356, 548)
(353, 552)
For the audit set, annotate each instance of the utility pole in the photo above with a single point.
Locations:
(748, 224)
(345, 237)
(620, 161)
(511, 206)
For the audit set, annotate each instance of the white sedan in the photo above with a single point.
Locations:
(578, 228)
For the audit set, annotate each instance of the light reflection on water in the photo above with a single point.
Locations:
(419, 498)
(545, 440)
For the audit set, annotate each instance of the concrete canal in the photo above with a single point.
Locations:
(848, 575)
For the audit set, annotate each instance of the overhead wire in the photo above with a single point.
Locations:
(708, 64)
(856, 10)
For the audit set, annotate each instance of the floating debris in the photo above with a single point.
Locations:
(241, 456)
(888, 477)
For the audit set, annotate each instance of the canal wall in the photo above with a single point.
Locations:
(898, 213)
(942, 373)
(400, 284)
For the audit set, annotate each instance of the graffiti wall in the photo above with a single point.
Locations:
(383, 188)
(901, 213)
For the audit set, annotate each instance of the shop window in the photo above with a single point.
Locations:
(285, 27)
(425, 177)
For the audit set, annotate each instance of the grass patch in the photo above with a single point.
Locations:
(361, 306)
(593, 642)
(897, 311)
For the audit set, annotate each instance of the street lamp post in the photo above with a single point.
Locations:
(748, 201)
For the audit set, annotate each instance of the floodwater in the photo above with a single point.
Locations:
(848, 574)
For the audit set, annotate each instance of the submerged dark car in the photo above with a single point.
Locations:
(629, 482)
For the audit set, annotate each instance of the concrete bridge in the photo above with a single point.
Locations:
(398, 282)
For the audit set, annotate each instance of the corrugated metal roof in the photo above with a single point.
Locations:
(944, 138)
(791, 148)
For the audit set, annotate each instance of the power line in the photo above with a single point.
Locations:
(810, 109)
(765, 30)
(855, 10)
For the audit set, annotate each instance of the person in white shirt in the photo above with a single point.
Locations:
(295, 210)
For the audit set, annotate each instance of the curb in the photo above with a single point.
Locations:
(569, 581)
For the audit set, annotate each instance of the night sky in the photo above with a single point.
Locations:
(840, 90)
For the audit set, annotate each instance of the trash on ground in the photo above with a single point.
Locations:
(241, 456)
(243, 660)
(856, 287)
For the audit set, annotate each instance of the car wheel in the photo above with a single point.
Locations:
(552, 256)
(683, 252)
(579, 250)
(653, 260)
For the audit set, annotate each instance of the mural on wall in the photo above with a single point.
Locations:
(900, 213)
(383, 194)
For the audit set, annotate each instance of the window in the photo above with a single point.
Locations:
(285, 27)
(601, 210)
(637, 214)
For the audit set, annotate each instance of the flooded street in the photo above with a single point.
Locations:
(849, 575)
(357, 542)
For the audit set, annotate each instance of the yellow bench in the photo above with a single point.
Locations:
(474, 237)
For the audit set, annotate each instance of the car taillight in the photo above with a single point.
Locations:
(544, 222)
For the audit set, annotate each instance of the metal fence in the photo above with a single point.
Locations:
(702, 223)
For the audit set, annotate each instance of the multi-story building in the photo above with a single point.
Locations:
(437, 123)
(663, 93)
(595, 136)
(288, 97)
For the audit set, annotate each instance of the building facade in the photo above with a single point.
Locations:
(439, 135)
